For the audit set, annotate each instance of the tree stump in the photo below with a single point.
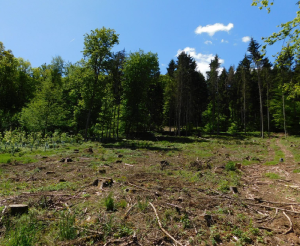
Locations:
(18, 209)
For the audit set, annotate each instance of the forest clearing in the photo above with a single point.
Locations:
(166, 190)
(146, 133)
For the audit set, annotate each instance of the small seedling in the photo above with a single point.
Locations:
(109, 203)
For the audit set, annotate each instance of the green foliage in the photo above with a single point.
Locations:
(123, 231)
(142, 205)
(244, 238)
(141, 74)
(230, 166)
(215, 235)
(233, 129)
(45, 111)
(223, 186)
(109, 203)
(22, 231)
(122, 203)
(66, 226)
(97, 51)
(186, 222)
(108, 226)
(289, 31)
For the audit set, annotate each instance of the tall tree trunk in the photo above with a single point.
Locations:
(218, 113)
(118, 120)
(261, 105)
(179, 105)
(170, 119)
(244, 103)
(268, 109)
(114, 121)
(87, 123)
(283, 111)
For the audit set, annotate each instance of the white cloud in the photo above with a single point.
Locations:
(163, 65)
(212, 29)
(246, 39)
(224, 41)
(72, 40)
(202, 60)
(208, 42)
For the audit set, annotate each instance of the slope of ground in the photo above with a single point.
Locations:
(171, 191)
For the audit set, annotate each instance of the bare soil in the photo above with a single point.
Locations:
(197, 201)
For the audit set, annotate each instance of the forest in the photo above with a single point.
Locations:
(111, 94)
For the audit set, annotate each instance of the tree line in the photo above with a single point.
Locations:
(111, 94)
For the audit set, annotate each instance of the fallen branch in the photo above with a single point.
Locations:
(127, 212)
(129, 165)
(264, 206)
(159, 223)
(291, 224)
(269, 219)
(283, 203)
(88, 230)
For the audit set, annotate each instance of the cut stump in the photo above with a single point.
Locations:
(18, 209)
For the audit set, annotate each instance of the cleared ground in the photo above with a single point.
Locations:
(165, 191)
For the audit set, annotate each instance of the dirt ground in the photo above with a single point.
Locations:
(163, 195)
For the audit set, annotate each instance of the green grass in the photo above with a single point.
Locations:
(66, 226)
(271, 163)
(230, 166)
(272, 175)
(56, 187)
(296, 171)
(21, 231)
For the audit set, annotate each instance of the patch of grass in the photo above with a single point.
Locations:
(186, 222)
(21, 231)
(271, 163)
(272, 175)
(57, 187)
(5, 158)
(122, 203)
(230, 166)
(142, 205)
(6, 187)
(123, 231)
(296, 171)
(66, 226)
(108, 226)
(223, 186)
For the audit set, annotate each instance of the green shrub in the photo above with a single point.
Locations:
(230, 166)
(233, 129)
(109, 203)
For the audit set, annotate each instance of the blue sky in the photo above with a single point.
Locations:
(38, 30)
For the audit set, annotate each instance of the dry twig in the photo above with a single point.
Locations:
(264, 206)
(291, 224)
(127, 212)
(269, 219)
(159, 223)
